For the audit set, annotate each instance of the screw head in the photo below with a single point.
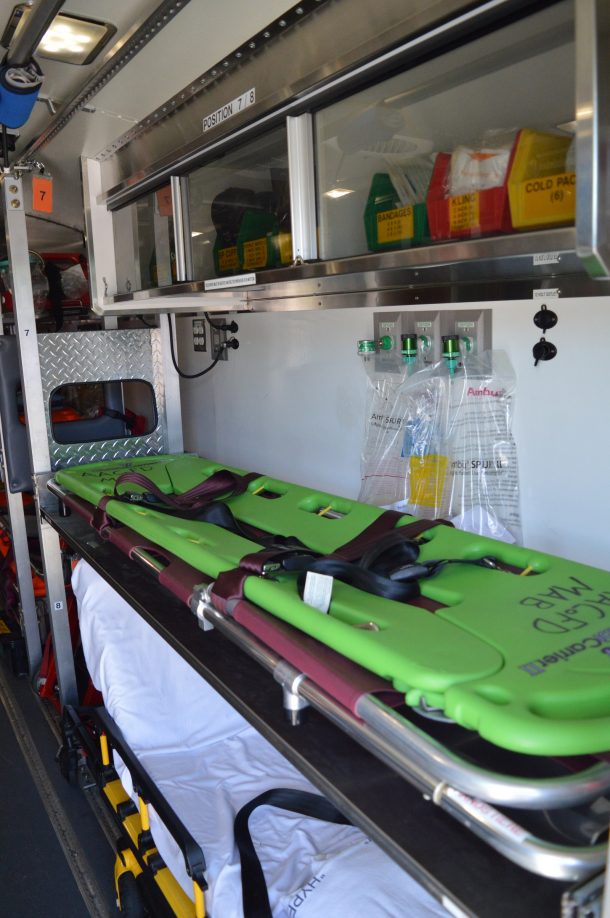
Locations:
(13, 189)
(15, 203)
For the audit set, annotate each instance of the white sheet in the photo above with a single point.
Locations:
(208, 762)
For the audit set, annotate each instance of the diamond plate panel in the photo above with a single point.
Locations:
(103, 356)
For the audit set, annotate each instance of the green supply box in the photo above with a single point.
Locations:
(226, 258)
(388, 224)
(257, 241)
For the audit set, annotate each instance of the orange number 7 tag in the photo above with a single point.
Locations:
(42, 194)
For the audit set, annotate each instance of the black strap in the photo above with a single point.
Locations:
(370, 581)
(220, 514)
(378, 561)
(254, 888)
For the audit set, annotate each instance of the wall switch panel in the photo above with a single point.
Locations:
(218, 337)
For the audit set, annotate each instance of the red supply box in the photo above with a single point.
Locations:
(469, 214)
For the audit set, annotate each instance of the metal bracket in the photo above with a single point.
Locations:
(294, 704)
(584, 901)
(199, 601)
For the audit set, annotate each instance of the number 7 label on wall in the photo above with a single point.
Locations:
(42, 194)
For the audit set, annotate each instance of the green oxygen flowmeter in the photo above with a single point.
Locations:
(408, 348)
(451, 351)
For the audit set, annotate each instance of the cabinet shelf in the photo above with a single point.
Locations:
(474, 270)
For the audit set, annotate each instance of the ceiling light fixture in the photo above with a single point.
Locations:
(338, 192)
(70, 39)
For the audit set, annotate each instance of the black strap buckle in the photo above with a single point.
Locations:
(281, 561)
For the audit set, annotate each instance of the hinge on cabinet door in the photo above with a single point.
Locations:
(585, 900)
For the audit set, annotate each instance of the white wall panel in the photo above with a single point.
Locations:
(291, 402)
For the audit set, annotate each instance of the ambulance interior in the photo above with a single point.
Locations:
(303, 602)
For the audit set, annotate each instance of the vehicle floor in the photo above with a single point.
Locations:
(37, 870)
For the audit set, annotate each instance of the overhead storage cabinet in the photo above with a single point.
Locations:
(442, 135)
(239, 209)
(459, 146)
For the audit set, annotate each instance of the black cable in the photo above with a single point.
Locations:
(212, 324)
(5, 146)
(147, 324)
(68, 226)
(173, 355)
(224, 326)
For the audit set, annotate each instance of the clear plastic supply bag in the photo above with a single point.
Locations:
(483, 167)
(440, 445)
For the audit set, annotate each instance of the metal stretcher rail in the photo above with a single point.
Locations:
(443, 765)
(507, 790)
(501, 833)
(439, 774)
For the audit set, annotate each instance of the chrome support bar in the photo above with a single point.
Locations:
(182, 228)
(501, 833)
(56, 489)
(302, 188)
(443, 765)
(171, 385)
(147, 560)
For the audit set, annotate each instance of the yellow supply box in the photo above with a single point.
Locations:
(541, 189)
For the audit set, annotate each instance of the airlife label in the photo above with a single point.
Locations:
(230, 109)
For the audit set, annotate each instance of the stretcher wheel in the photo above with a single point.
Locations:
(130, 902)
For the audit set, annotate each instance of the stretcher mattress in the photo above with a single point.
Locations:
(520, 654)
(208, 762)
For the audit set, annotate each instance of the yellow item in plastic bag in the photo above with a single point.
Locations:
(428, 475)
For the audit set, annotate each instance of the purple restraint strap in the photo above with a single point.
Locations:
(339, 677)
(336, 675)
(197, 497)
(220, 484)
(178, 577)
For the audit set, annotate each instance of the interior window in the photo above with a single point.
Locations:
(93, 411)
